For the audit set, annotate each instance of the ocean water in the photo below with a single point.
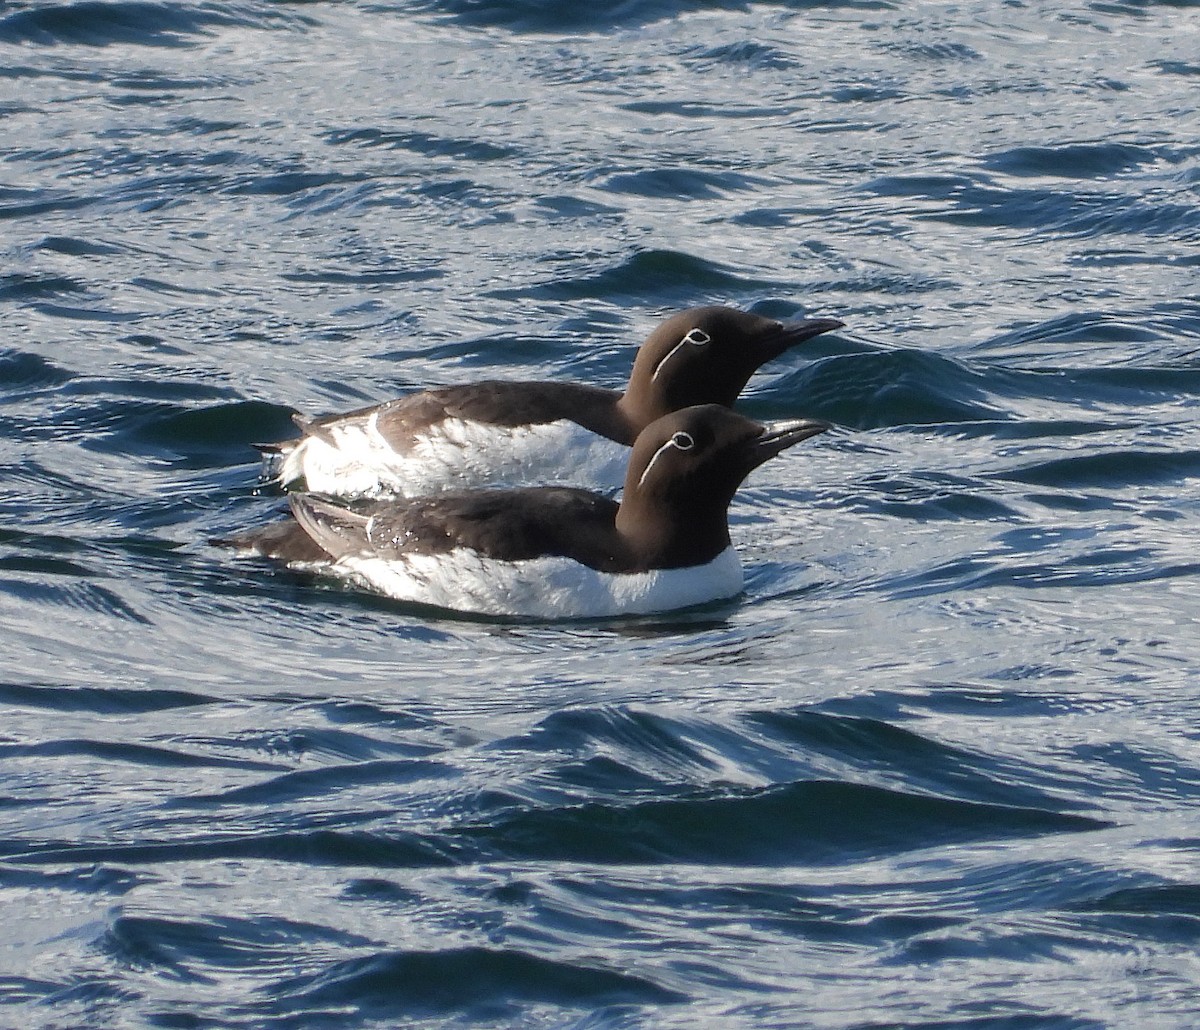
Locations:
(939, 766)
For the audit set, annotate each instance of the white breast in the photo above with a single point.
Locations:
(457, 454)
(541, 588)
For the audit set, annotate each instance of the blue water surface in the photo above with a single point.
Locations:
(938, 767)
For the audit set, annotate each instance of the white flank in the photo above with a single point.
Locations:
(457, 454)
(541, 588)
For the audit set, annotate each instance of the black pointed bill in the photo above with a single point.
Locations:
(781, 435)
(789, 334)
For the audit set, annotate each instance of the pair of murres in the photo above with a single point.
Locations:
(430, 506)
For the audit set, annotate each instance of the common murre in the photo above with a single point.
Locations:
(514, 433)
(552, 552)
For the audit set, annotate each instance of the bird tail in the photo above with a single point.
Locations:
(284, 541)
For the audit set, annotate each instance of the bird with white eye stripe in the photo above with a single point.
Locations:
(697, 338)
(681, 441)
(514, 433)
(552, 552)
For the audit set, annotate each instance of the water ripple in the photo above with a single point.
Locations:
(659, 273)
(479, 982)
(143, 23)
(812, 821)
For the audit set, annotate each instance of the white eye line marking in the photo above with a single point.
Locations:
(673, 442)
(696, 337)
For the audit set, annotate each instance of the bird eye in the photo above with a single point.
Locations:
(697, 338)
(683, 441)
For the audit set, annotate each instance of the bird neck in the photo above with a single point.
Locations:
(661, 536)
